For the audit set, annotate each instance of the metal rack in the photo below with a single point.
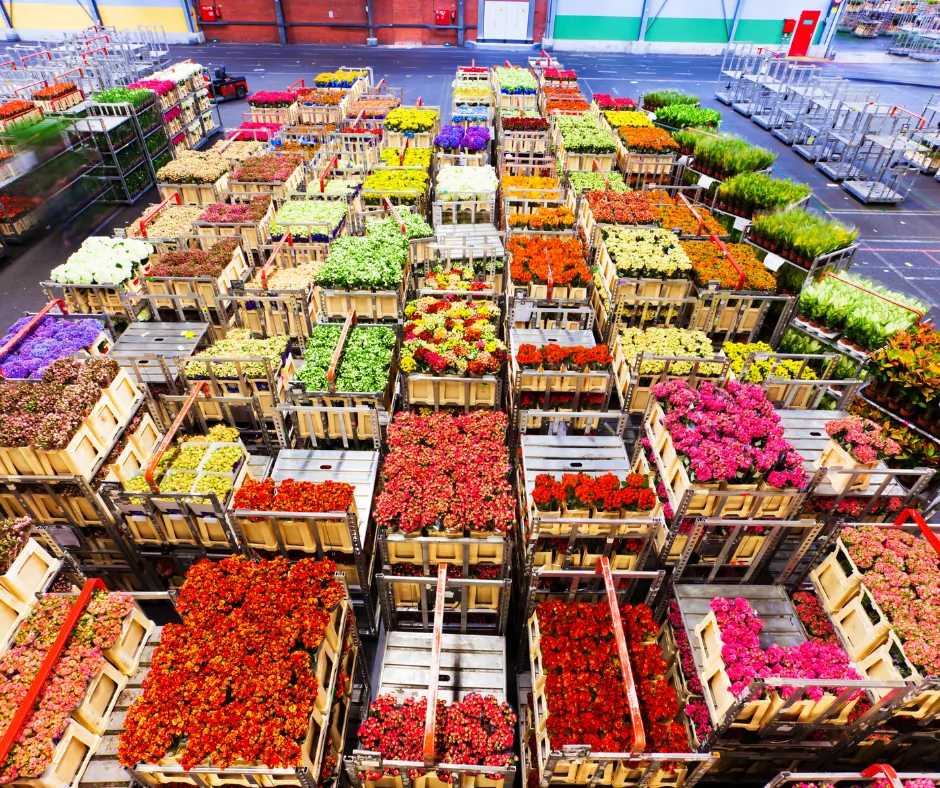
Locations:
(801, 105)
(834, 157)
(737, 60)
(826, 114)
(795, 82)
(758, 87)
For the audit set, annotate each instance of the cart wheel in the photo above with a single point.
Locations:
(241, 92)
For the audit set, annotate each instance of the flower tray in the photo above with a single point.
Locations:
(646, 167)
(210, 289)
(13, 228)
(313, 746)
(370, 305)
(418, 139)
(636, 289)
(675, 549)
(62, 102)
(126, 652)
(195, 193)
(30, 572)
(12, 612)
(708, 634)
(321, 114)
(718, 698)
(808, 710)
(888, 662)
(279, 191)
(101, 697)
(861, 624)
(298, 531)
(836, 579)
(25, 118)
(836, 456)
(70, 758)
(286, 116)
(336, 422)
(254, 234)
(451, 391)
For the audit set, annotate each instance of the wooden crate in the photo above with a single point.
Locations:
(835, 456)
(69, 759)
(286, 116)
(836, 579)
(125, 654)
(862, 624)
(888, 662)
(451, 390)
(195, 193)
(61, 102)
(12, 612)
(32, 570)
(253, 234)
(102, 694)
(79, 458)
(716, 687)
(204, 286)
(123, 394)
(279, 191)
(709, 636)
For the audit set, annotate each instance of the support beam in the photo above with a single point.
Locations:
(644, 18)
(279, 15)
(6, 15)
(832, 25)
(460, 21)
(737, 18)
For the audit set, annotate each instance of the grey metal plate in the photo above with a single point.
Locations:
(542, 336)
(769, 602)
(358, 468)
(806, 432)
(558, 454)
(469, 663)
(170, 340)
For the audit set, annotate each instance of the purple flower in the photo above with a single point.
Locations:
(49, 340)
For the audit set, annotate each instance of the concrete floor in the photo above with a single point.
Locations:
(901, 244)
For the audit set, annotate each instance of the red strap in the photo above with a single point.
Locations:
(742, 277)
(338, 351)
(48, 663)
(626, 672)
(419, 102)
(155, 211)
(387, 203)
(926, 530)
(698, 217)
(596, 167)
(430, 720)
(269, 263)
(333, 162)
(201, 386)
(883, 770)
(32, 324)
(294, 84)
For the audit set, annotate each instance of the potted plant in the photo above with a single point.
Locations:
(854, 443)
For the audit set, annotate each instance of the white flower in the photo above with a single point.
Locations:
(102, 260)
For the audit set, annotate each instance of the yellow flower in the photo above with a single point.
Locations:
(408, 364)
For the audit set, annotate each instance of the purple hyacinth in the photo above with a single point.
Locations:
(473, 138)
(49, 340)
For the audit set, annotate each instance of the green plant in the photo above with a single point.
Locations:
(866, 313)
(728, 156)
(908, 367)
(803, 236)
(751, 191)
(681, 116)
(584, 134)
(655, 99)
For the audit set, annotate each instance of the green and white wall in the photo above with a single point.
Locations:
(693, 26)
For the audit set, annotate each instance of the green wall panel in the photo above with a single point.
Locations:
(598, 28)
(698, 31)
(701, 31)
(761, 31)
